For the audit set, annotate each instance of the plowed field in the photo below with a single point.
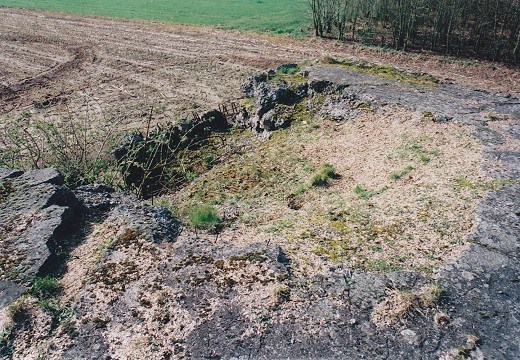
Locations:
(56, 65)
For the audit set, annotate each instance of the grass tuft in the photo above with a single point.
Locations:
(400, 303)
(300, 190)
(367, 194)
(396, 175)
(321, 179)
(364, 194)
(203, 217)
(282, 293)
(45, 287)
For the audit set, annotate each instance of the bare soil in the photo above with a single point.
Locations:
(53, 65)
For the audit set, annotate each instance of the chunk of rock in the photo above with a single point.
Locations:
(268, 99)
(35, 219)
(248, 88)
(322, 86)
(272, 120)
(410, 336)
(344, 107)
(268, 96)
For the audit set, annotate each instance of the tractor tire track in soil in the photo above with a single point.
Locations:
(14, 95)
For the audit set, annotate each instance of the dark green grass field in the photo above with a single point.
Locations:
(276, 16)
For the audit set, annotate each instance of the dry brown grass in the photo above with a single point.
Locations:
(398, 304)
(417, 221)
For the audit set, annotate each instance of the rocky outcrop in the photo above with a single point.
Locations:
(35, 218)
(142, 158)
(193, 297)
(268, 101)
(103, 204)
(441, 102)
(344, 107)
(346, 94)
(142, 284)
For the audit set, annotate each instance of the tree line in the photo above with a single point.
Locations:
(483, 28)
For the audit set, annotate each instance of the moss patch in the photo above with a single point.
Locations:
(289, 74)
(386, 72)
(6, 189)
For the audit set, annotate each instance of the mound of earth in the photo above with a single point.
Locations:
(133, 282)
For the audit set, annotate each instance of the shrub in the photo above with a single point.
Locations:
(204, 217)
(79, 149)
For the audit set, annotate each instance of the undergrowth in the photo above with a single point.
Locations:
(79, 149)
